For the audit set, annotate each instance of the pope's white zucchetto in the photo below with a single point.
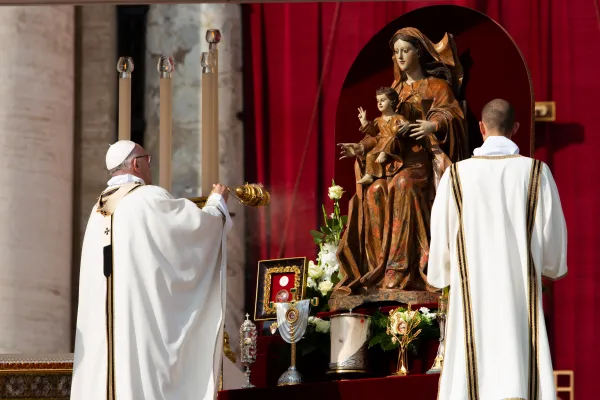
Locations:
(118, 152)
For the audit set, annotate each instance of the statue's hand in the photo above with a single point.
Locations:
(404, 129)
(350, 150)
(362, 116)
(422, 129)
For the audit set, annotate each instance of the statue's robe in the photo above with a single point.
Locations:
(497, 227)
(156, 330)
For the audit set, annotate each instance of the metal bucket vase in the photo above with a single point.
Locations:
(350, 334)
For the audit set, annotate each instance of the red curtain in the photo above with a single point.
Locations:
(289, 46)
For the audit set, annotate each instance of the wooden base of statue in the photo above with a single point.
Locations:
(397, 296)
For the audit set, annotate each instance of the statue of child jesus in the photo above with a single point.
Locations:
(386, 129)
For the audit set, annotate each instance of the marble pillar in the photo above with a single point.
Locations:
(179, 31)
(36, 177)
(96, 113)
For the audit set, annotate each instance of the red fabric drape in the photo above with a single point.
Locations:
(284, 56)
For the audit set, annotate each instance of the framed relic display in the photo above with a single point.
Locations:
(274, 283)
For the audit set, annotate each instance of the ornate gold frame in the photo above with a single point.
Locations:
(266, 269)
(268, 280)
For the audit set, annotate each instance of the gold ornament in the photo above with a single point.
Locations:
(249, 194)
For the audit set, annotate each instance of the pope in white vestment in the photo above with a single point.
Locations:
(150, 321)
(497, 227)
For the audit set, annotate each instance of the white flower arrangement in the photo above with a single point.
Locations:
(427, 315)
(323, 275)
(320, 325)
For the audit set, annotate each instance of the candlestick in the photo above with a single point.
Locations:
(165, 68)
(125, 68)
(441, 317)
(210, 112)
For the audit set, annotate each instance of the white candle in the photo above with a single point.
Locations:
(210, 113)
(165, 68)
(125, 68)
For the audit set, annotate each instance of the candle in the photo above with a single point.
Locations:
(165, 68)
(210, 113)
(125, 68)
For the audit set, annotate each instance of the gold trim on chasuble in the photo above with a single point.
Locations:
(463, 267)
(532, 284)
(110, 377)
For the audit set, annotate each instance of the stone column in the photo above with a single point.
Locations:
(96, 113)
(36, 178)
(179, 31)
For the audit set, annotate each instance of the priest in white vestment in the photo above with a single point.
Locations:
(151, 290)
(497, 227)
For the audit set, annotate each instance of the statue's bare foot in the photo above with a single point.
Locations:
(381, 158)
(392, 279)
(365, 180)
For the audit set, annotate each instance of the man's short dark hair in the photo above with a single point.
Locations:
(498, 115)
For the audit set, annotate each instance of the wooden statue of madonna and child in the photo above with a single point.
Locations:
(384, 252)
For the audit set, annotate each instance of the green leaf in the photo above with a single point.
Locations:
(387, 346)
(335, 279)
(377, 339)
(316, 234)
(318, 237)
(344, 219)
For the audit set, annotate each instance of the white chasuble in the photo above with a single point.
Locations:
(152, 329)
(497, 226)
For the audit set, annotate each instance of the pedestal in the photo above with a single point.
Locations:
(397, 296)
(38, 376)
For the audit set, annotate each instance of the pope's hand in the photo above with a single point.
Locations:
(222, 190)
